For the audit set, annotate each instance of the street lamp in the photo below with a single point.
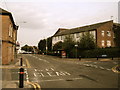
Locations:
(76, 49)
(46, 47)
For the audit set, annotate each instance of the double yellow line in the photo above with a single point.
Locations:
(36, 86)
(27, 63)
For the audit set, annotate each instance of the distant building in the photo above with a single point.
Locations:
(102, 32)
(9, 36)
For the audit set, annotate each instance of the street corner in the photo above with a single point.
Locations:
(33, 85)
(116, 69)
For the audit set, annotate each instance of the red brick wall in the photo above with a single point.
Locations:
(106, 27)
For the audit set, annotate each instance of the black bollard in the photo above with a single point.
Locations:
(112, 58)
(21, 78)
(97, 57)
(21, 62)
(79, 58)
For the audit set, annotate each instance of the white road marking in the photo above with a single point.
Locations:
(40, 59)
(95, 66)
(49, 73)
(35, 69)
(87, 65)
(41, 74)
(27, 77)
(35, 75)
(46, 69)
(25, 71)
(52, 69)
(67, 73)
(57, 73)
(91, 65)
(43, 60)
(109, 69)
(101, 67)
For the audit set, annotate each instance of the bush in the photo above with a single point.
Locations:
(110, 52)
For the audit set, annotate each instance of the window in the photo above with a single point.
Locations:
(103, 43)
(80, 34)
(108, 33)
(10, 30)
(72, 35)
(56, 38)
(14, 36)
(60, 37)
(93, 33)
(103, 33)
(77, 35)
(108, 43)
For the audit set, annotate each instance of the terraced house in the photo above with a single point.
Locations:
(9, 36)
(102, 32)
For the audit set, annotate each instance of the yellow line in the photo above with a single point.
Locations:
(28, 64)
(38, 86)
(32, 84)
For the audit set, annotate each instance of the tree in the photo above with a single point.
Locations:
(42, 45)
(27, 48)
(87, 42)
(68, 45)
(49, 43)
(57, 46)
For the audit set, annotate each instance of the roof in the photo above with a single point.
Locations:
(80, 29)
(4, 12)
(116, 24)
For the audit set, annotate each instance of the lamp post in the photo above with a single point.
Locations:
(76, 49)
(46, 47)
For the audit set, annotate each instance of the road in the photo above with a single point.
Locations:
(54, 72)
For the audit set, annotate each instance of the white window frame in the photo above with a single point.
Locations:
(103, 33)
(10, 30)
(103, 43)
(108, 43)
(77, 35)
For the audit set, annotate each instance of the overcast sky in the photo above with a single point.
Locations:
(39, 19)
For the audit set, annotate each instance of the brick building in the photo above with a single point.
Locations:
(8, 36)
(102, 32)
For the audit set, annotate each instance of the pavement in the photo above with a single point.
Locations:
(7, 78)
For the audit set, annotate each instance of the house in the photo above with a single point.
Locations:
(102, 33)
(8, 36)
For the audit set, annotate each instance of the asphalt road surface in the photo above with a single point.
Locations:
(53, 72)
